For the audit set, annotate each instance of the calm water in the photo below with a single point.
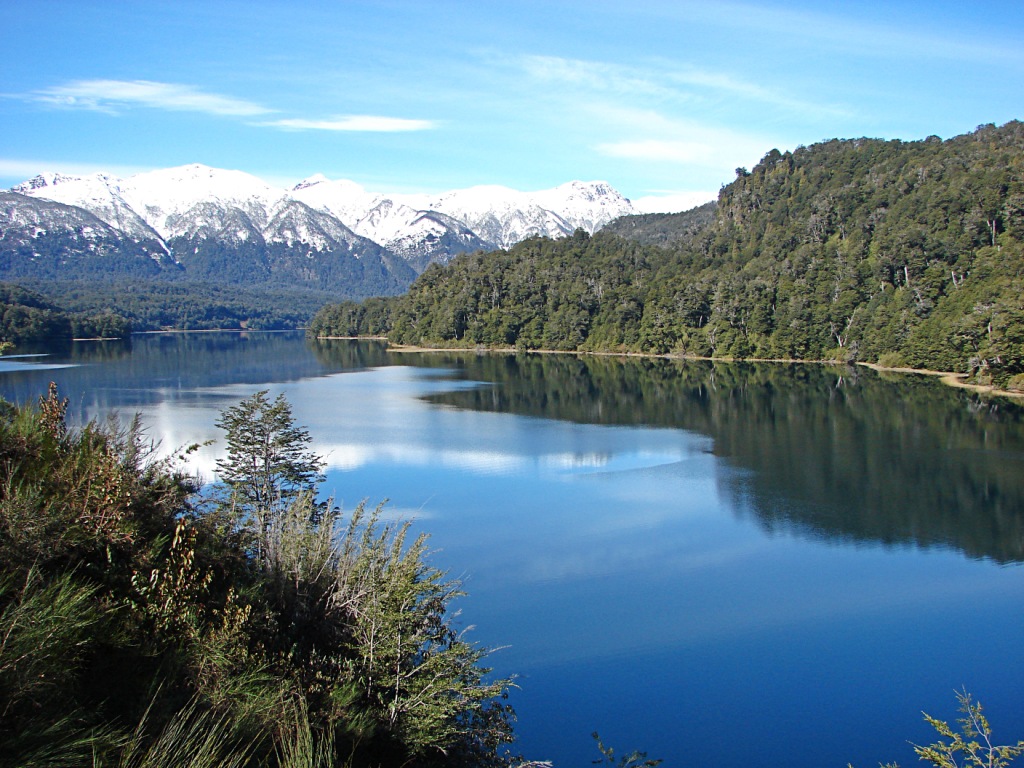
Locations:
(722, 565)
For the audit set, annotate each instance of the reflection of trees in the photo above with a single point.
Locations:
(347, 355)
(835, 452)
(95, 352)
(156, 366)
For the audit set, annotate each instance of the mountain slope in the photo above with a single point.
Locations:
(219, 224)
(505, 216)
(100, 194)
(42, 238)
(664, 229)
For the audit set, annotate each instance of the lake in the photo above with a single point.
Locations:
(719, 564)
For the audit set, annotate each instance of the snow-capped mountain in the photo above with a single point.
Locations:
(100, 194)
(200, 216)
(418, 236)
(505, 216)
(180, 201)
(171, 200)
(45, 238)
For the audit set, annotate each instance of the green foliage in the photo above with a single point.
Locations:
(27, 317)
(421, 676)
(268, 465)
(846, 250)
(972, 745)
(663, 229)
(194, 736)
(151, 305)
(140, 627)
(372, 317)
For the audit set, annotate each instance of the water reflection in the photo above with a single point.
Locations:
(839, 453)
(664, 545)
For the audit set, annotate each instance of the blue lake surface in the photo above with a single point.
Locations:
(721, 565)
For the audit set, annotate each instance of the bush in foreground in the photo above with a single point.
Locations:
(143, 625)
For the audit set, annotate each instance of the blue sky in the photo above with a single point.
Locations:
(657, 98)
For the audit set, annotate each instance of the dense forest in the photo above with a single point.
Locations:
(901, 253)
(27, 317)
(42, 312)
(152, 305)
(143, 624)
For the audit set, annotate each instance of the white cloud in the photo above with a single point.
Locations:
(652, 137)
(596, 76)
(368, 123)
(664, 81)
(112, 95)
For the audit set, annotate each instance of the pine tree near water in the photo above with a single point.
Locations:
(268, 465)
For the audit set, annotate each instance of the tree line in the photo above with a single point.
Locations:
(900, 253)
(26, 317)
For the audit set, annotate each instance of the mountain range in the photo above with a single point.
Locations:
(231, 227)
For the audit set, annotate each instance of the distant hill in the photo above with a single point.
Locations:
(904, 253)
(27, 317)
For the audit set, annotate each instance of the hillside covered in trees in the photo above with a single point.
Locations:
(27, 317)
(903, 253)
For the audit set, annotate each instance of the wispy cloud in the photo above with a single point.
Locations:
(655, 137)
(894, 36)
(368, 123)
(115, 95)
(665, 81)
(596, 76)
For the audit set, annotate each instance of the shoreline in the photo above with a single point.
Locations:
(949, 378)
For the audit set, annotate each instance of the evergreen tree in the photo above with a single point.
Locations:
(268, 466)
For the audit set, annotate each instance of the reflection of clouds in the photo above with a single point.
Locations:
(172, 427)
(7, 365)
(745, 592)
(351, 456)
(600, 562)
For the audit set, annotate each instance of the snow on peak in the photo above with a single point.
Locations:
(164, 197)
(505, 216)
(193, 198)
(316, 178)
(99, 193)
(42, 181)
(346, 200)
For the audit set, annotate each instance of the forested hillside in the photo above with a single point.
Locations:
(152, 305)
(665, 229)
(905, 253)
(28, 318)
